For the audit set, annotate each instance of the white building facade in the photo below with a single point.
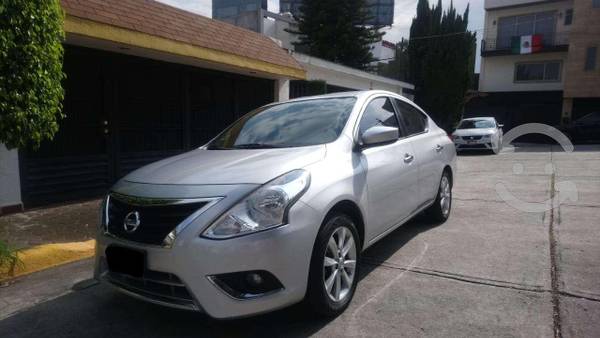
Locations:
(539, 61)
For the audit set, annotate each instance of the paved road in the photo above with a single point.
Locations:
(496, 268)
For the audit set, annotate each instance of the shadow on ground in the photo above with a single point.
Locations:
(99, 311)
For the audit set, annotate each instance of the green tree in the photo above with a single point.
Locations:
(442, 54)
(398, 67)
(337, 31)
(31, 54)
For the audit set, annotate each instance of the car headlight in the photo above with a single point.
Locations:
(487, 136)
(263, 209)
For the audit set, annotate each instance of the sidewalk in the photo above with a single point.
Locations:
(48, 237)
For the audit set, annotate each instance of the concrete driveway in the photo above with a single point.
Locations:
(502, 265)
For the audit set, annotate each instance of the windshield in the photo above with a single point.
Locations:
(292, 124)
(476, 124)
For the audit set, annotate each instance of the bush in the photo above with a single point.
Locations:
(31, 54)
(9, 259)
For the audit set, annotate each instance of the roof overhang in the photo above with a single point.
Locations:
(95, 34)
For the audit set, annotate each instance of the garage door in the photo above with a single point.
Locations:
(124, 112)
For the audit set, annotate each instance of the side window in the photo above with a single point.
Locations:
(379, 112)
(414, 121)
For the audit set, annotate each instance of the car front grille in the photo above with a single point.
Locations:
(472, 146)
(156, 218)
(158, 287)
(469, 138)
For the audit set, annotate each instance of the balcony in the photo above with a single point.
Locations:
(558, 42)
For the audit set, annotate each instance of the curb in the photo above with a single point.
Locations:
(49, 255)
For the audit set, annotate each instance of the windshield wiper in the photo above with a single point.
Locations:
(256, 146)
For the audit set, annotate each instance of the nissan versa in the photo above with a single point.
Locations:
(277, 208)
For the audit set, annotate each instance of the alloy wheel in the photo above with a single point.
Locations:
(339, 264)
(445, 195)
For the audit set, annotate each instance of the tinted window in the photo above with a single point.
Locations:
(538, 23)
(590, 58)
(379, 112)
(290, 124)
(590, 118)
(568, 17)
(414, 121)
(542, 71)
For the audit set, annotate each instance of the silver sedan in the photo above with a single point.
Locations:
(277, 208)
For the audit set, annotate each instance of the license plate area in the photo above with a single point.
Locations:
(126, 261)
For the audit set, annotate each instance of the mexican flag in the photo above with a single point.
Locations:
(526, 44)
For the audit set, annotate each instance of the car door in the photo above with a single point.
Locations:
(427, 150)
(391, 173)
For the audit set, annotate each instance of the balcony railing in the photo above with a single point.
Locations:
(550, 43)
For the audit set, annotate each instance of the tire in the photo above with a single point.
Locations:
(438, 212)
(498, 148)
(319, 298)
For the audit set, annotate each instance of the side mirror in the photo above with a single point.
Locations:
(379, 135)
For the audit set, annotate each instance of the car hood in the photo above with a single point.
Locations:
(236, 166)
(474, 131)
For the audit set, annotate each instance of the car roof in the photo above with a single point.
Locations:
(355, 93)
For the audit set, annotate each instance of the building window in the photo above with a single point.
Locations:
(568, 17)
(590, 58)
(542, 23)
(547, 71)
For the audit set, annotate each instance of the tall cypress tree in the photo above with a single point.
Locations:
(337, 31)
(441, 53)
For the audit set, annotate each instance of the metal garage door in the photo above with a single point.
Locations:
(124, 112)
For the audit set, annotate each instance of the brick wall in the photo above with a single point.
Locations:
(584, 33)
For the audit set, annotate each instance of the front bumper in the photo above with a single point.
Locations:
(285, 252)
(482, 143)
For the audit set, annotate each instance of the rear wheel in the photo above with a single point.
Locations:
(439, 211)
(334, 266)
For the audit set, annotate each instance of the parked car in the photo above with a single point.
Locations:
(278, 207)
(584, 129)
(478, 133)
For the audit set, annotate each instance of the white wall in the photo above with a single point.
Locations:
(282, 90)
(338, 75)
(383, 53)
(497, 73)
(10, 184)
(275, 27)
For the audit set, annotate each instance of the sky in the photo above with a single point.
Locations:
(404, 11)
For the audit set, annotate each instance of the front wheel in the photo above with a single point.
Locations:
(334, 266)
(439, 211)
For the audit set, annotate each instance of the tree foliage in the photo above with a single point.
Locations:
(31, 54)
(337, 31)
(442, 54)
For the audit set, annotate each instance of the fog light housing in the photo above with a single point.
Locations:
(247, 284)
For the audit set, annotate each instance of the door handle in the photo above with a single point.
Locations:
(438, 148)
(408, 158)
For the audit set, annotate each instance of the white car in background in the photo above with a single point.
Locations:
(478, 133)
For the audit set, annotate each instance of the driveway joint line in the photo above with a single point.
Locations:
(459, 277)
(554, 273)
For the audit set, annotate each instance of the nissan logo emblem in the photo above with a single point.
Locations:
(131, 222)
